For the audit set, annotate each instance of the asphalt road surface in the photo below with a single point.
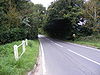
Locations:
(64, 58)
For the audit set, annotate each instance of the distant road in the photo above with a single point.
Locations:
(64, 58)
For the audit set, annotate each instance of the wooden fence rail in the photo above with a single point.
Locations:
(23, 44)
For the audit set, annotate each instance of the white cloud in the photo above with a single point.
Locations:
(45, 3)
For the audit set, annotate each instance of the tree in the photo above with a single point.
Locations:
(92, 14)
(9, 15)
(64, 8)
(70, 10)
(19, 17)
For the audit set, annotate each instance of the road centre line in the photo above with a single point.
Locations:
(43, 59)
(58, 45)
(84, 57)
(79, 45)
(50, 40)
(78, 54)
(54, 43)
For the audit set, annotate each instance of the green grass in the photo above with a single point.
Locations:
(8, 65)
(93, 41)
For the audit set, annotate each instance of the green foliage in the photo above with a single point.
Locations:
(82, 30)
(12, 35)
(22, 15)
(64, 9)
(93, 40)
(70, 10)
(8, 65)
(39, 16)
(9, 16)
(92, 14)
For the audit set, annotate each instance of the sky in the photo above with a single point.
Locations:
(45, 3)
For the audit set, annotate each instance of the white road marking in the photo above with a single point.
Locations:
(58, 45)
(43, 60)
(77, 53)
(50, 40)
(84, 57)
(85, 47)
(54, 43)
(79, 45)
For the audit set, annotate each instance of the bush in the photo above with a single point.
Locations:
(12, 35)
(86, 31)
(32, 33)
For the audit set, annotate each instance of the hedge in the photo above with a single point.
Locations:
(12, 35)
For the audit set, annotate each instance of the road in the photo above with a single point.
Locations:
(64, 58)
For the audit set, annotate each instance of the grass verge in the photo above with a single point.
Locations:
(93, 41)
(8, 65)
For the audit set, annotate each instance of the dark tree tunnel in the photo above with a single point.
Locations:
(59, 28)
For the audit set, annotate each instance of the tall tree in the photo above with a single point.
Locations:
(70, 10)
(9, 15)
(92, 14)
(65, 8)
(19, 17)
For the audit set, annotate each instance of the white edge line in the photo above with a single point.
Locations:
(84, 57)
(85, 46)
(43, 59)
(54, 43)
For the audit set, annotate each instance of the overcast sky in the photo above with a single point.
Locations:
(45, 3)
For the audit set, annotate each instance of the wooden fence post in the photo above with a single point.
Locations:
(26, 42)
(23, 46)
(16, 52)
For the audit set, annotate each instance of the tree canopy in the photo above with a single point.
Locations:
(91, 13)
(70, 10)
(59, 20)
(22, 16)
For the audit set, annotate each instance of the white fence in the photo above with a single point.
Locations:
(23, 44)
